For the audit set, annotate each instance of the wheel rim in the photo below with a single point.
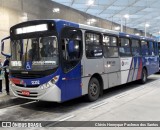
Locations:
(93, 89)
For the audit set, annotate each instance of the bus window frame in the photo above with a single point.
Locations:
(60, 49)
(147, 45)
(151, 49)
(101, 43)
(156, 48)
(139, 42)
(131, 55)
(117, 44)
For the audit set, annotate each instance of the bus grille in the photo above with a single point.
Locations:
(32, 94)
(27, 76)
(30, 86)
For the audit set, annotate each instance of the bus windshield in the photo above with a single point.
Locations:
(41, 52)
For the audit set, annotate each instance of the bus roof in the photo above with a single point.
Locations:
(98, 29)
(83, 26)
(87, 27)
(136, 37)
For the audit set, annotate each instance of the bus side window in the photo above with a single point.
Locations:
(156, 49)
(151, 49)
(145, 48)
(93, 45)
(136, 48)
(110, 47)
(124, 47)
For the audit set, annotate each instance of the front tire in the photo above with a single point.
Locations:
(93, 90)
(143, 80)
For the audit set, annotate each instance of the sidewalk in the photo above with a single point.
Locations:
(4, 98)
(3, 89)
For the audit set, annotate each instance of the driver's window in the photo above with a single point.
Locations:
(71, 48)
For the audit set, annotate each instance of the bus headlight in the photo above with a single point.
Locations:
(55, 79)
(50, 83)
(45, 86)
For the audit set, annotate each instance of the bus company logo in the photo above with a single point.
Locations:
(124, 63)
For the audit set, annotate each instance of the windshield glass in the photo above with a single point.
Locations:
(40, 53)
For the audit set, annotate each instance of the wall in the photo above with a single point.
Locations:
(16, 11)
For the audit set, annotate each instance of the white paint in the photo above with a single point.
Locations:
(97, 29)
(66, 118)
(99, 105)
(18, 105)
(125, 67)
(124, 76)
(125, 63)
(52, 93)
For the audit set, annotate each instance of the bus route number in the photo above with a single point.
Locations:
(35, 82)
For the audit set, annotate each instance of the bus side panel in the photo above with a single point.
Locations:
(71, 81)
(131, 69)
(151, 63)
(137, 68)
(71, 84)
(112, 68)
(126, 64)
(154, 66)
(91, 67)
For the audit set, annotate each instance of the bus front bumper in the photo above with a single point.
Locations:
(53, 93)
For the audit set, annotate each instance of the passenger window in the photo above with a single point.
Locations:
(145, 48)
(110, 48)
(151, 49)
(93, 45)
(71, 48)
(136, 49)
(156, 48)
(124, 47)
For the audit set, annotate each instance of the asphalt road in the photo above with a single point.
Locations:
(78, 109)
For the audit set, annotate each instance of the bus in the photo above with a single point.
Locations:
(57, 60)
(159, 52)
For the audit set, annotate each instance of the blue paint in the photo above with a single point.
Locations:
(43, 80)
(60, 24)
(28, 65)
(71, 87)
(128, 35)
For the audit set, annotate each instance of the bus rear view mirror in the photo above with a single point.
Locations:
(5, 47)
(2, 46)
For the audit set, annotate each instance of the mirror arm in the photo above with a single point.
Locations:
(2, 44)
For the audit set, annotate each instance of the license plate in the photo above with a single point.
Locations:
(25, 93)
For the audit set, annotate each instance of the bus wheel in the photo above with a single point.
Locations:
(144, 76)
(93, 90)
